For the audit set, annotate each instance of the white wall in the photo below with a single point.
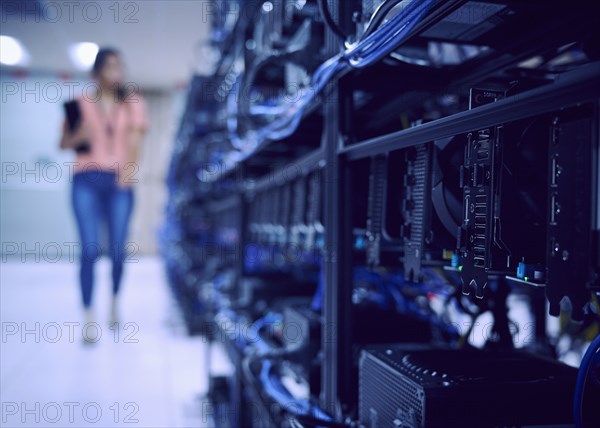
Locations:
(151, 191)
(35, 209)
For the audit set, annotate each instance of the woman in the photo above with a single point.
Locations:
(107, 140)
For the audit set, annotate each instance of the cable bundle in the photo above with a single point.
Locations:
(364, 53)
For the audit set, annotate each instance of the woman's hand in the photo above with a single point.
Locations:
(71, 140)
(128, 173)
(136, 137)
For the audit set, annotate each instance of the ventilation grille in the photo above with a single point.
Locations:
(386, 397)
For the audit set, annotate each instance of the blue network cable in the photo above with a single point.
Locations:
(364, 53)
(591, 357)
(270, 318)
(277, 391)
(381, 42)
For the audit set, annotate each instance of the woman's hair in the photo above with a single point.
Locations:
(101, 58)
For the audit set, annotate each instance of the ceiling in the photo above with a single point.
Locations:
(159, 39)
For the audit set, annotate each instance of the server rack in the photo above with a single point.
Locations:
(340, 152)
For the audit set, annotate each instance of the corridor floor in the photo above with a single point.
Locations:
(147, 373)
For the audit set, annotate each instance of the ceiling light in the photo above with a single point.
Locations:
(83, 54)
(12, 51)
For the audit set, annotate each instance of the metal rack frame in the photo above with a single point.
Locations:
(335, 156)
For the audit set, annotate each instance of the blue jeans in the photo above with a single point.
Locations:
(96, 198)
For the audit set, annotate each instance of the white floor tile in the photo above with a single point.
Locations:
(148, 372)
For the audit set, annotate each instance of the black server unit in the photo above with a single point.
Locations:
(422, 387)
